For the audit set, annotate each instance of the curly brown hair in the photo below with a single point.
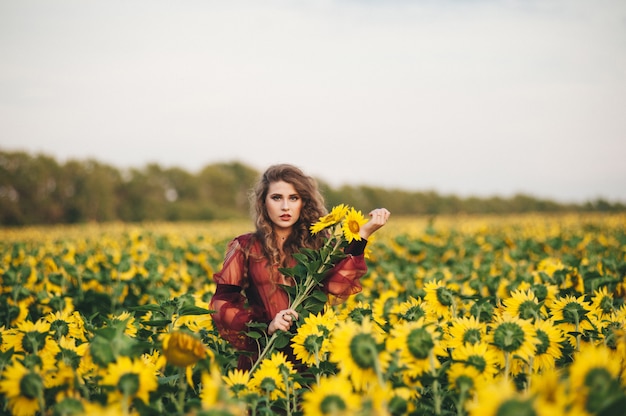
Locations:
(312, 209)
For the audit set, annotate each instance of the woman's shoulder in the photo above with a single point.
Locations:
(244, 239)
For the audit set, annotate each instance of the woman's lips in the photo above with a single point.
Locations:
(285, 217)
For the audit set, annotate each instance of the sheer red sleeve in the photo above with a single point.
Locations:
(343, 280)
(229, 303)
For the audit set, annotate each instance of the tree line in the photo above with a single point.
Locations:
(37, 189)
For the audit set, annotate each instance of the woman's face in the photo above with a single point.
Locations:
(283, 204)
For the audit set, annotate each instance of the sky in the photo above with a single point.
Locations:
(467, 97)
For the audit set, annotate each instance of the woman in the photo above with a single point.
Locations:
(286, 203)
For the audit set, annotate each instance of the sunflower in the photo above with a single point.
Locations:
(126, 319)
(523, 304)
(332, 218)
(237, 382)
(356, 349)
(382, 306)
(272, 377)
(30, 337)
(23, 388)
(211, 392)
(463, 331)
(352, 225)
(439, 300)
(464, 379)
(571, 314)
(548, 351)
(129, 378)
(311, 344)
(550, 391)
(411, 309)
(415, 343)
(355, 310)
(195, 323)
(332, 396)
(602, 304)
(64, 324)
(307, 346)
(501, 399)
(182, 349)
(482, 356)
(594, 376)
(515, 338)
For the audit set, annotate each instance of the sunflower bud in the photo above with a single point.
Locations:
(182, 349)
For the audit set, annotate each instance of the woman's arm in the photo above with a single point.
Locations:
(344, 279)
(232, 314)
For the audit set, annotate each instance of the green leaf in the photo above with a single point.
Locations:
(158, 323)
(282, 339)
(193, 310)
(102, 351)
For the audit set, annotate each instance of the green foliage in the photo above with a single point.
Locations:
(39, 190)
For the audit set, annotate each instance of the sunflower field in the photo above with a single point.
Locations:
(515, 315)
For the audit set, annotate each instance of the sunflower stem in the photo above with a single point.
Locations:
(577, 322)
(287, 398)
(530, 372)
(182, 391)
(507, 365)
(436, 396)
(268, 347)
(462, 397)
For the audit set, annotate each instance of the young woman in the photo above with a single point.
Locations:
(286, 203)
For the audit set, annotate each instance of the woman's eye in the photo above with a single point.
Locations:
(276, 197)
(294, 198)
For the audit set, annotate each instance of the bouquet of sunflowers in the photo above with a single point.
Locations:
(341, 226)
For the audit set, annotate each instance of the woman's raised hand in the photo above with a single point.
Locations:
(378, 218)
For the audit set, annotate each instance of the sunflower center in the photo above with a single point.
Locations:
(542, 336)
(514, 407)
(471, 336)
(332, 404)
(477, 361)
(528, 310)
(128, 384)
(31, 386)
(420, 342)
(354, 227)
(508, 337)
(363, 351)
(444, 296)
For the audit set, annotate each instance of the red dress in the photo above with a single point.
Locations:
(257, 297)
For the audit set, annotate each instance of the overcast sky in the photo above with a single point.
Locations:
(472, 97)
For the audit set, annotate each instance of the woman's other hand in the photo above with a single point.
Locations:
(282, 321)
(378, 218)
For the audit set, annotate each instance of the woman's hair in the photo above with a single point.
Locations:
(312, 209)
